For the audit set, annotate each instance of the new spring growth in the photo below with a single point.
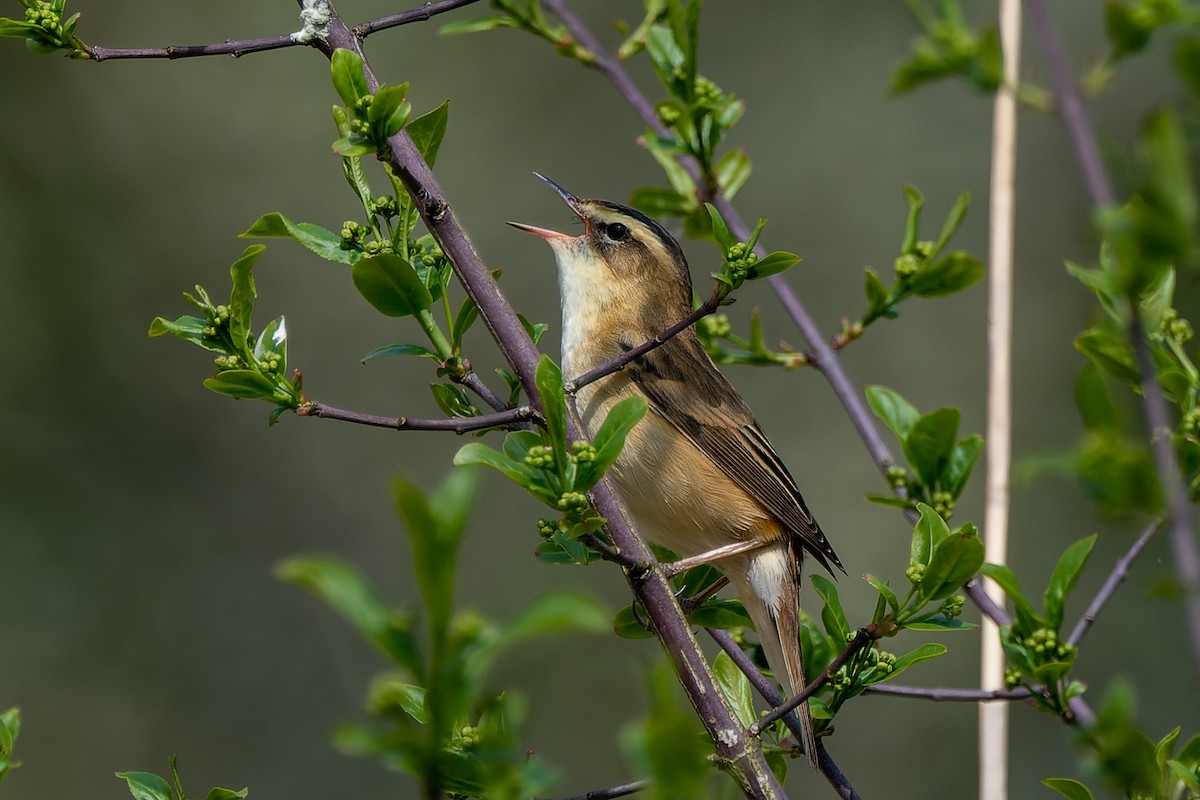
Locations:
(45, 16)
(910, 264)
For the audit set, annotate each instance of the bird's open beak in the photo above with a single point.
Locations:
(572, 203)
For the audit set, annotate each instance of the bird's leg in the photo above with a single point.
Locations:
(684, 564)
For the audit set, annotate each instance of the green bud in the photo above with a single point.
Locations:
(540, 457)
(1012, 678)
(897, 476)
(716, 326)
(908, 265)
(915, 573)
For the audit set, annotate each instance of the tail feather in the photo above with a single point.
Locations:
(770, 590)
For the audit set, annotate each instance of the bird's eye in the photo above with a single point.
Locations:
(616, 231)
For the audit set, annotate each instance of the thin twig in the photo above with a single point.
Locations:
(621, 361)
(837, 779)
(240, 47)
(942, 694)
(1070, 106)
(613, 791)
(418, 14)
(1179, 505)
(472, 381)
(994, 718)
(312, 408)
(1118, 575)
(862, 638)
(610, 553)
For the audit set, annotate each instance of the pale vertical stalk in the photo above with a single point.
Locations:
(993, 717)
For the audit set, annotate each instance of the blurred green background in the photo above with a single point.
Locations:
(140, 515)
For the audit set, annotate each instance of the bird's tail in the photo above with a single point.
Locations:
(769, 588)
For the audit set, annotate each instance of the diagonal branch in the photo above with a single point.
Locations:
(240, 47)
(500, 419)
(767, 691)
(1118, 575)
(942, 694)
(734, 750)
(623, 790)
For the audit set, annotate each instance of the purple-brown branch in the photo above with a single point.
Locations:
(837, 779)
(943, 694)
(732, 748)
(240, 47)
(500, 419)
(1118, 575)
(623, 790)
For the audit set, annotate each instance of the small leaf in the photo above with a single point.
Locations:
(1066, 574)
(146, 786)
(723, 614)
(938, 623)
(217, 793)
(885, 591)
(610, 439)
(955, 561)
(190, 329)
(962, 461)
(325, 243)
(659, 202)
(243, 295)
(1069, 788)
(832, 615)
(428, 130)
(389, 111)
(479, 454)
(895, 412)
(554, 404)
(626, 624)
(914, 200)
(953, 221)
(720, 229)
(1111, 353)
(928, 533)
(476, 25)
(877, 293)
(1028, 619)
(930, 443)
(773, 263)
(401, 349)
(347, 591)
(733, 170)
(916, 656)
(955, 272)
(243, 384)
(391, 285)
(736, 687)
(453, 400)
(348, 78)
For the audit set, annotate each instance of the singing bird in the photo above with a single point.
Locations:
(697, 472)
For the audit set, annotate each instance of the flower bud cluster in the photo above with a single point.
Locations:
(740, 259)
(227, 362)
(1044, 642)
(270, 362)
(943, 503)
(1176, 326)
(540, 457)
(915, 573)
(707, 92)
(1012, 678)
(582, 452)
(668, 112)
(385, 206)
(45, 17)
(353, 235)
(897, 477)
(573, 502)
(953, 606)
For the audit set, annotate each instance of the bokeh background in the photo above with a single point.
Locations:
(140, 515)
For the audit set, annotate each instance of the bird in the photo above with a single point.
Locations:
(697, 473)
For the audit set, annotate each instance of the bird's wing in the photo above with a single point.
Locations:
(686, 389)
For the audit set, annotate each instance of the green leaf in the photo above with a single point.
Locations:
(190, 329)
(627, 625)
(733, 170)
(1069, 788)
(428, 130)
(387, 693)
(884, 590)
(930, 443)
(877, 293)
(955, 560)
(720, 229)
(348, 78)
(962, 461)
(948, 275)
(1066, 574)
(736, 687)
(773, 263)
(323, 242)
(914, 200)
(556, 613)
(453, 400)
(401, 349)
(241, 298)
(243, 384)
(146, 786)
(1126, 33)
(937, 623)
(476, 25)
(663, 151)
(477, 454)
(388, 111)
(928, 533)
(659, 202)
(915, 656)
(554, 405)
(17, 29)
(1028, 619)
(1187, 62)
(895, 412)
(665, 53)
(1110, 352)
(1094, 403)
(347, 591)
(610, 439)
(723, 614)
(10, 727)
(217, 793)
(953, 221)
(832, 615)
(391, 285)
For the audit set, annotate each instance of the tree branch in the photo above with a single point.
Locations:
(613, 791)
(240, 47)
(620, 362)
(862, 638)
(736, 753)
(312, 408)
(1118, 575)
(767, 691)
(943, 694)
